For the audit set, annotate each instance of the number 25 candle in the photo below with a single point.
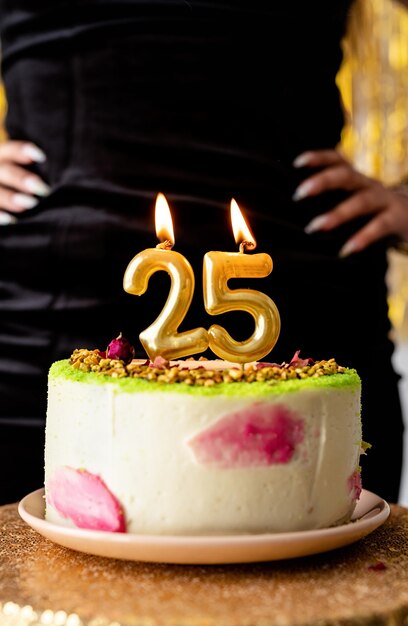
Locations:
(161, 338)
(219, 267)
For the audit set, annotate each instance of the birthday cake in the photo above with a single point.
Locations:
(200, 447)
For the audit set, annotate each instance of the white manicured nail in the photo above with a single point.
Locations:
(6, 219)
(36, 186)
(34, 153)
(303, 190)
(23, 201)
(302, 160)
(316, 224)
(349, 248)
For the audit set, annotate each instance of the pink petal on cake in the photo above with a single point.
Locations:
(159, 363)
(298, 362)
(354, 484)
(213, 364)
(85, 499)
(257, 436)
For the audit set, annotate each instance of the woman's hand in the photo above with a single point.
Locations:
(19, 188)
(387, 207)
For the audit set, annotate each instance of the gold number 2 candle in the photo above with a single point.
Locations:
(162, 337)
(218, 268)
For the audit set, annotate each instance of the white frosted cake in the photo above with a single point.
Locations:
(201, 447)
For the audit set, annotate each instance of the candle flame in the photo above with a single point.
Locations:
(242, 234)
(164, 223)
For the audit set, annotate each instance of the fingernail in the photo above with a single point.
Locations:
(317, 223)
(303, 190)
(36, 186)
(6, 219)
(302, 160)
(349, 248)
(34, 153)
(23, 201)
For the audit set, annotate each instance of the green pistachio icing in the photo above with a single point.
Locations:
(349, 379)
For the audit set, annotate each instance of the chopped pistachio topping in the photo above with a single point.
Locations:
(92, 361)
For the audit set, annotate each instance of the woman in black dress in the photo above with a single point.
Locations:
(201, 101)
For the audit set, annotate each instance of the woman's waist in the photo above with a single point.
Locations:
(212, 175)
(200, 213)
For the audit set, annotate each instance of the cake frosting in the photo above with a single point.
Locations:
(201, 447)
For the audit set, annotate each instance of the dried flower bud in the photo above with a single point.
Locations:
(120, 348)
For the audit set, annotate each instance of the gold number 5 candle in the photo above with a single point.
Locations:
(219, 267)
(161, 338)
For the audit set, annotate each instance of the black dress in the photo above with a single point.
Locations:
(203, 101)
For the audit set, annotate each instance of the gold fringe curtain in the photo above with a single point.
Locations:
(3, 109)
(373, 81)
(374, 84)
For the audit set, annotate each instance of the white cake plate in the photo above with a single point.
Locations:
(371, 511)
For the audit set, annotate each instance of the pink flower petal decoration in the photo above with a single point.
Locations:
(298, 362)
(84, 498)
(159, 363)
(354, 484)
(257, 436)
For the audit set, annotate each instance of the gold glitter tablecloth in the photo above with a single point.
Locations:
(363, 584)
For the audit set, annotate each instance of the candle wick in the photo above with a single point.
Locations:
(246, 245)
(165, 245)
